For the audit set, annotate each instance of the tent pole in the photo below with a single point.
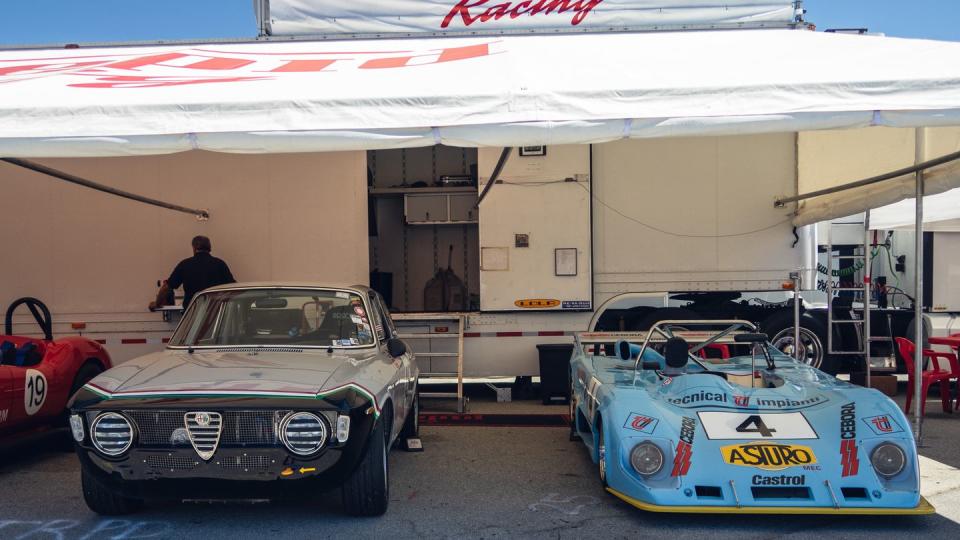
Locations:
(918, 298)
(73, 179)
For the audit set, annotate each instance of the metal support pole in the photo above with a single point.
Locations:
(867, 289)
(918, 398)
(799, 351)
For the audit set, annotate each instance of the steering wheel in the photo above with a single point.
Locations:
(40, 314)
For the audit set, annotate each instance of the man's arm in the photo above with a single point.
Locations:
(162, 295)
(227, 275)
(172, 282)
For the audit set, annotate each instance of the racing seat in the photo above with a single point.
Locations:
(337, 323)
(8, 353)
(676, 354)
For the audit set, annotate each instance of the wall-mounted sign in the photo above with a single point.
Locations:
(378, 17)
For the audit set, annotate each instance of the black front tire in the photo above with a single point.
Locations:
(367, 491)
(105, 502)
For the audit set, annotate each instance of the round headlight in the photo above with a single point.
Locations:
(111, 434)
(303, 433)
(888, 459)
(646, 458)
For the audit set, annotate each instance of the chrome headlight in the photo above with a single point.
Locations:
(303, 433)
(646, 458)
(76, 427)
(888, 459)
(111, 434)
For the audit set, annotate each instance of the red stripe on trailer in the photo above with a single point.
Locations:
(133, 341)
(471, 334)
(101, 341)
(547, 333)
(509, 334)
(165, 340)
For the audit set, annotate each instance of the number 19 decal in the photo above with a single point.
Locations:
(34, 392)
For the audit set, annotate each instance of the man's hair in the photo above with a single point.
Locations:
(201, 243)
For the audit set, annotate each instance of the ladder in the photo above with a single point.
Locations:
(860, 316)
(437, 342)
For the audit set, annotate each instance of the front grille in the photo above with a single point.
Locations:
(240, 428)
(204, 429)
(245, 463)
(171, 463)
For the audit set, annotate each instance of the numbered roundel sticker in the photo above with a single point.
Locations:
(34, 392)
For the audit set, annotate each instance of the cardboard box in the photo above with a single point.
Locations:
(882, 382)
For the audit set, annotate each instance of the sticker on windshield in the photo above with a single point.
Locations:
(341, 294)
(356, 319)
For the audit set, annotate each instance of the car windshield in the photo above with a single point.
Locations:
(275, 317)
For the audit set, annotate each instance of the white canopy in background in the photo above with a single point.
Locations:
(299, 96)
(941, 212)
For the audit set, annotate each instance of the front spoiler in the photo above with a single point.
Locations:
(924, 508)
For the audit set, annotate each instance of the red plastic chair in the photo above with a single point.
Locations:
(937, 374)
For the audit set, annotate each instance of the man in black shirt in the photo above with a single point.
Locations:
(195, 274)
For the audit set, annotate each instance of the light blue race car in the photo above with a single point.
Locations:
(718, 421)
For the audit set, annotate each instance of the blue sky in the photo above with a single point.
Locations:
(77, 21)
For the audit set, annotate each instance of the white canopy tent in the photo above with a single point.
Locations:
(941, 213)
(300, 96)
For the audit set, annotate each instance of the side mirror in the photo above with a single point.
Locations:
(396, 347)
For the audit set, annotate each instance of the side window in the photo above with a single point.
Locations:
(376, 317)
(387, 320)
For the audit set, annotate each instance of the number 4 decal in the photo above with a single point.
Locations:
(758, 426)
(35, 392)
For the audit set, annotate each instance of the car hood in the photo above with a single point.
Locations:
(224, 371)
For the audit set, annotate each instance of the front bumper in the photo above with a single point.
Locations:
(923, 508)
(232, 473)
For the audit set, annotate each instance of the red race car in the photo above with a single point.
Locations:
(38, 376)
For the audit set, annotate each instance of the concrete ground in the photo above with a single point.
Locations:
(470, 482)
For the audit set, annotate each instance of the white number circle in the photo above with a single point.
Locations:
(34, 392)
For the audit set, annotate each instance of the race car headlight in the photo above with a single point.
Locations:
(76, 426)
(111, 434)
(646, 458)
(888, 459)
(303, 433)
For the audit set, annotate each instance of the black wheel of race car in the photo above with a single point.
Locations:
(574, 434)
(367, 492)
(813, 336)
(86, 373)
(411, 426)
(105, 502)
(601, 453)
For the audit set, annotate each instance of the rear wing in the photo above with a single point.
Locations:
(726, 334)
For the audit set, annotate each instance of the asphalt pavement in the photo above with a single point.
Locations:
(470, 482)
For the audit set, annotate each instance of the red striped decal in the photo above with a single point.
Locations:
(509, 334)
(471, 334)
(165, 340)
(133, 341)
(546, 333)
(101, 341)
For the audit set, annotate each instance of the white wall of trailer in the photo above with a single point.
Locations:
(95, 258)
